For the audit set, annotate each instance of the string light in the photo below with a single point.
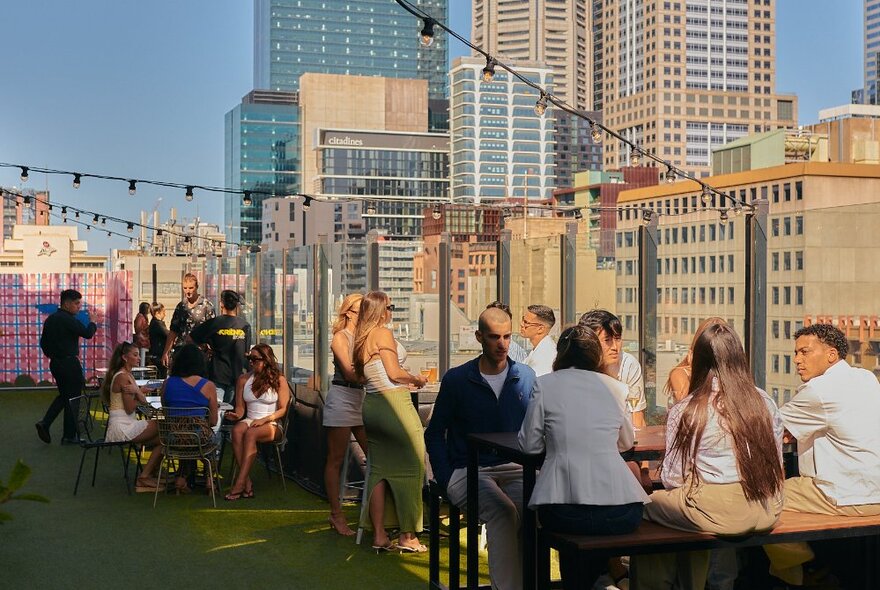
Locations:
(541, 105)
(634, 157)
(103, 221)
(24, 174)
(595, 133)
(96, 219)
(132, 187)
(247, 201)
(77, 180)
(159, 233)
(647, 214)
(426, 35)
(578, 214)
(130, 227)
(307, 202)
(189, 193)
(724, 216)
(371, 209)
(489, 70)
(436, 214)
(670, 175)
(706, 196)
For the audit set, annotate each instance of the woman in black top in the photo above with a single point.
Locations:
(158, 333)
(228, 338)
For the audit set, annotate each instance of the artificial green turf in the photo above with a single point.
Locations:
(103, 538)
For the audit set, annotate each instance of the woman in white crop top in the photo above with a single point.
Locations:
(394, 430)
(262, 397)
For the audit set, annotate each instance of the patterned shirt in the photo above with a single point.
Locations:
(186, 318)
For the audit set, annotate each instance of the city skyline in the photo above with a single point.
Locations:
(95, 93)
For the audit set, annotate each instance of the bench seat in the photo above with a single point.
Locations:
(651, 537)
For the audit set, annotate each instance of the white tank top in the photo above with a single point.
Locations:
(259, 407)
(377, 379)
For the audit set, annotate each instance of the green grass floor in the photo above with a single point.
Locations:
(104, 538)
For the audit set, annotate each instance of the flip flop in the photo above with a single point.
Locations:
(248, 494)
(407, 549)
(387, 548)
(232, 497)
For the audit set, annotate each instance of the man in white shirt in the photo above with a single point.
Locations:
(835, 417)
(618, 363)
(535, 325)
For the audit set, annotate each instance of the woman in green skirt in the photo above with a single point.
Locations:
(394, 431)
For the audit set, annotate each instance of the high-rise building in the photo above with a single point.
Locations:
(502, 148)
(550, 32)
(365, 38)
(871, 42)
(262, 152)
(681, 78)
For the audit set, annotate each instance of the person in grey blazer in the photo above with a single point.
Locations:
(578, 416)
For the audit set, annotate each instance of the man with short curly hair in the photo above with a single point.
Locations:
(835, 417)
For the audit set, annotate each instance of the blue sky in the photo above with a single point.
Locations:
(140, 89)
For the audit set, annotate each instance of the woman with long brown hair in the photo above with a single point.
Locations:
(343, 408)
(261, 400)
(723, 465)
(121, 394)
(394, 430)
(679, 380)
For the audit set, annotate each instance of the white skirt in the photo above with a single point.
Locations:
(343, 407)
(124, 427)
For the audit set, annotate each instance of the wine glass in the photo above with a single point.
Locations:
(633, 397)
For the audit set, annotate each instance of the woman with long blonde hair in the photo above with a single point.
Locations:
(394, 430)
(723, 465)
(121, 394)
(343, 408)
(678, 382)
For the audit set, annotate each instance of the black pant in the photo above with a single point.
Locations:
(582, 519)
(69, 379)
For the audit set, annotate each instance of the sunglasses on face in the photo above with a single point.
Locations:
(390, 307)
(255, 359)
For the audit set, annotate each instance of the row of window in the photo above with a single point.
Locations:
(786, 293)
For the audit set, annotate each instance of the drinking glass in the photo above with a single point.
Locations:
(432, 371)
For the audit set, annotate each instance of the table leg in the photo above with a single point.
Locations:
(529, 532)
(473, 517)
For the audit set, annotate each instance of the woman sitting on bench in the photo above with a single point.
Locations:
(578, 414)
(723, 465)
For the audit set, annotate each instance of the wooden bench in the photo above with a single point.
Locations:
(654, 538)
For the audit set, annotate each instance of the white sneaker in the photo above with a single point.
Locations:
(484, 540)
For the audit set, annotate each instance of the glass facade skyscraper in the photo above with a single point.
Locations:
(365, 38)
(262, 136)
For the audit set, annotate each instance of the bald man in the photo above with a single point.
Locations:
(488, 394)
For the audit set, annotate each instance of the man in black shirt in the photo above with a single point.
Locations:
(229, 339)
(189, 313)
(60, 342)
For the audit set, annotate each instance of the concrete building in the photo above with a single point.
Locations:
(285, 222)
(868, 94)
(502, 148)
(680, 79)
(48, 249)
(823, 261)
(852, 131)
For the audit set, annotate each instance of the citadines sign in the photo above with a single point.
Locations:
(328, 138)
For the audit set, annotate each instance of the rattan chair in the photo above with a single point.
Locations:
(186, 434)
(81, 406)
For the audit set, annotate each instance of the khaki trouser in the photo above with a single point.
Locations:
(721, 509)
(802, 495)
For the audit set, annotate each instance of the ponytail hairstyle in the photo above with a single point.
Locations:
(348, 304)
(578, 347)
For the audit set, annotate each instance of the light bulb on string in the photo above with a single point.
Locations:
(541, 105)
(103, 221)
(88, 227)
(724, 216)
(435, 213)
(189, 193)
(489, 70)
(77, 180)
(130, 227)
(307, 203)
(647, 214)
(578, 214)
(96, 219)
(76, 214)
(670, 175)
(371, 209)
(132, 187)
(246, 200)
(24, 173)
(426, 35)
(595, 133)
(706, 196)
(634, 156)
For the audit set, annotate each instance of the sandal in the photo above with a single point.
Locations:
(233, 496)
(145, 485)
(388, 547)
(341, 527)
(408, 549)
(248, 494)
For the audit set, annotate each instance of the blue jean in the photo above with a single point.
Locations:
(583, 519)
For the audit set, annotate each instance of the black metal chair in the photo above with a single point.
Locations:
(186, 434)
(278, 445)
(81, 406)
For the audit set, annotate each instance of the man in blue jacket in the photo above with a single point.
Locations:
(488, 394)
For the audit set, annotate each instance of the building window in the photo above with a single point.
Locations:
(774, 227)
(774, 328)
(798, 295)
(799, 260)
(774, 264)
(786, 226)
(799, 225)
(786, 295)
(775, 292)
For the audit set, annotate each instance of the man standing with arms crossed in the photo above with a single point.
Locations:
(60, 342)
(189, 313)
(488, 394)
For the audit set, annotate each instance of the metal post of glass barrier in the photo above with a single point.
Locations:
(321, 306)
(568, 272)
(443, 302)
(648, 307)
(502, 274)
(258, 304)
(287, 333)
(373, 260)
(756, 289)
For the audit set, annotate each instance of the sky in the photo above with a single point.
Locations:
(140, 90)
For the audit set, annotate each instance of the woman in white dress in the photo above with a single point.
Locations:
(342, 410)
(121, 394)
(262, 397)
